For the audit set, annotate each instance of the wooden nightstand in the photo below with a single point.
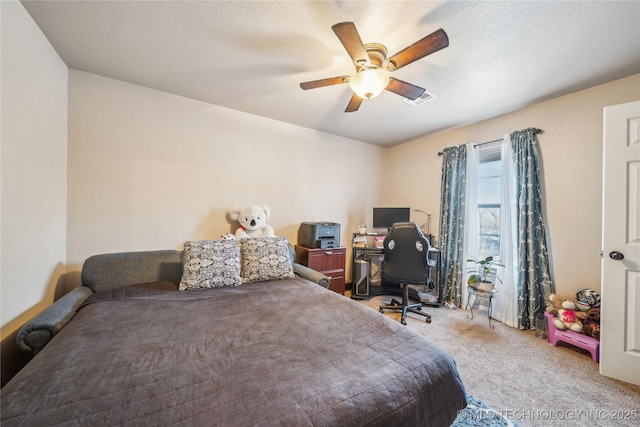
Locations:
(329, 262)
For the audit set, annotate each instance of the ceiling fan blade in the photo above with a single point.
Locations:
(404, 89)
(350, 39)
(423, 47)
(354, 104)
(324, 82)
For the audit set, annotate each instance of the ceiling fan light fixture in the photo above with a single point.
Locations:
(373, 66)
(369, 82)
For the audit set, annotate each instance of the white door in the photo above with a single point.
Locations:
(620, 313)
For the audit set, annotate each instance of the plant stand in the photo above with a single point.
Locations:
(477, 294)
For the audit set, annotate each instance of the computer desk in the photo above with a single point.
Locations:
(367, 281)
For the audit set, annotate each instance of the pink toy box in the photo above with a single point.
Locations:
(554, 335)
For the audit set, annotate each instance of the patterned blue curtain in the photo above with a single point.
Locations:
(451, 227)
(534, 282)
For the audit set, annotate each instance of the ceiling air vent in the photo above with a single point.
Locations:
(426, 96)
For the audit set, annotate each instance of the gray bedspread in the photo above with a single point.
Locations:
(285, 352)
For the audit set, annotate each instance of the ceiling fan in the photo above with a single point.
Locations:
(373, 66)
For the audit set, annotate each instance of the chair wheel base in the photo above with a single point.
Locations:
(405, 307)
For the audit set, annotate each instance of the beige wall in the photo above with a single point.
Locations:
(571, 148)
(33, 166)
(150, 170)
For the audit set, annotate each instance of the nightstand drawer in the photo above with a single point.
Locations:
(327, 259)
(329, 262)
(337, 280)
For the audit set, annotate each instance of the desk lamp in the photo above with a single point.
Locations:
(425, 227)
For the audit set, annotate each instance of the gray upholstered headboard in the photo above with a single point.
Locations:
(110, 271)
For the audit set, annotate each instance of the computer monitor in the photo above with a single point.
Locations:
(386, 217)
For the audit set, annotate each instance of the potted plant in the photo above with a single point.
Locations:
(480, 280)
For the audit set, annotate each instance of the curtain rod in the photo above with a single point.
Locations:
(440, 153)
(488, 142)
(535, 131)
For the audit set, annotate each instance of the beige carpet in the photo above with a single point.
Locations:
(524, 378)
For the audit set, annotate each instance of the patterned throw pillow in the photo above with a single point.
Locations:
(210, 264)
(265, 258)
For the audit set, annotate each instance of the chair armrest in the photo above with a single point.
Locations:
(38, 331)
(311, 274)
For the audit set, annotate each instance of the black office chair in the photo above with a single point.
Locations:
(406, 262)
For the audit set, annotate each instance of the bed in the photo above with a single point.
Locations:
(128, 348)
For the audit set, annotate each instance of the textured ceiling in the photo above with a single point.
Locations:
(251, 56)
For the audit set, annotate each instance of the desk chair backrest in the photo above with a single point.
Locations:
(406, 255)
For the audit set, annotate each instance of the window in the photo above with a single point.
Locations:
(488, 198)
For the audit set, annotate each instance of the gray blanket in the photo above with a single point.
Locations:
(276, 353)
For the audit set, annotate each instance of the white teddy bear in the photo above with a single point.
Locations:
(253, 221)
